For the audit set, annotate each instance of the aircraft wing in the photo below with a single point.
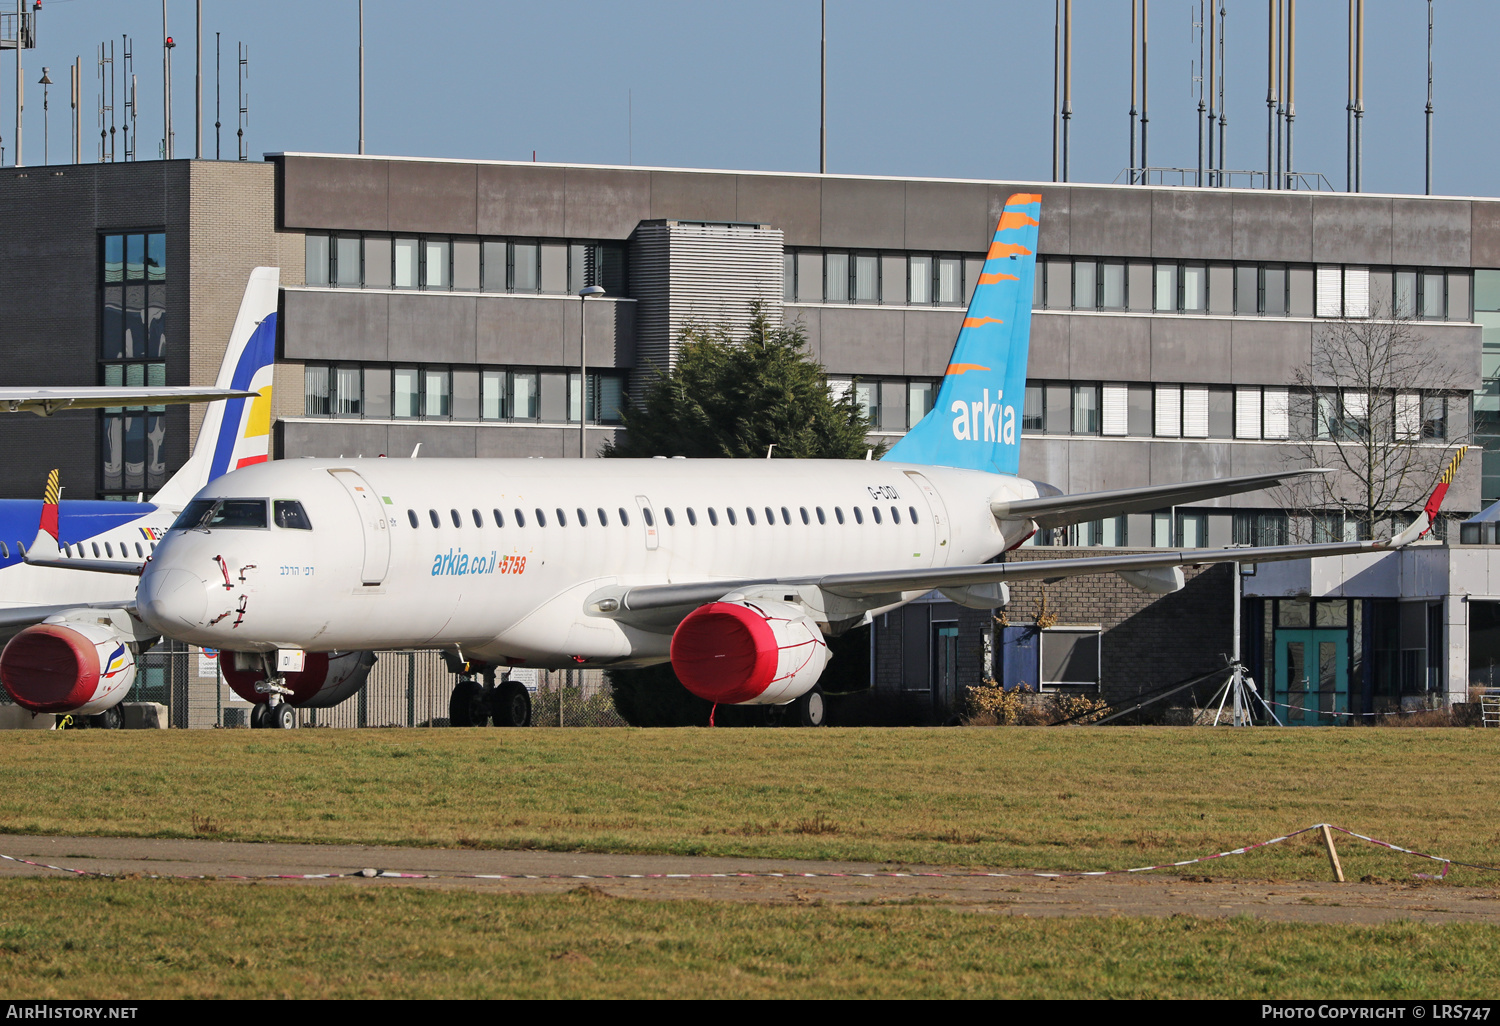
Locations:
(874, 588)
(886, 584)
(1062, 510)
(25, 616)
(46, 401)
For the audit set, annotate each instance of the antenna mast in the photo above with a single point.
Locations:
(244, 98)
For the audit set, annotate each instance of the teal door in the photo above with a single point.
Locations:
(1312, 676)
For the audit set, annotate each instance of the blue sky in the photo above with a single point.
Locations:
(951, 88)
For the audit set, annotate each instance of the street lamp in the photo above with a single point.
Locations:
(584, 295)
(45, 81)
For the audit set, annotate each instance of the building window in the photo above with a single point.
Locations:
(132, 352)
(380, 392)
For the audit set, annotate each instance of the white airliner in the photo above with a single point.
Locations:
(734, 570)
(78, 651)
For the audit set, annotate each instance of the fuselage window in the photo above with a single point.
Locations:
(520, 519)
(729, 512)
(138, 551)
(153, 546)
(541, 519)
(895, 515)
(95, 544)
(875, 512)
(68, 551)
(838, 513)
(913, 511)
(821, 518)
(650, 520)
(411, 515)
(692, 517)
(859, 517)
(499, 518)
(432, 515)
(603, 520)
(750, 516)
(805, 518)
(583, 519)
(109, 551)
(770, 516)
(5, 550)
(478, 518)
(786, 515)
(713, 518)
(671, 520)
(562, 518)
(625, 518)
(458, 521)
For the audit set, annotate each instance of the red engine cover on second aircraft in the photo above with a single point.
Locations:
(760, 653)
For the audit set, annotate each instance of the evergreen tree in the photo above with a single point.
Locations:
(735, 398)
(727, 397)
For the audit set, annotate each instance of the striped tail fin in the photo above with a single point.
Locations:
(236, 432)
(975, 423)
(1435, 501)
(50, 498)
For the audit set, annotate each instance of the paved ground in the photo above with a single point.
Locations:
(1142, 895)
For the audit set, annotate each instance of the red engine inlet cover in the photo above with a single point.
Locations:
(49, 668)
(725, 652)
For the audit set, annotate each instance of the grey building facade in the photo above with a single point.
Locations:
(435, 302)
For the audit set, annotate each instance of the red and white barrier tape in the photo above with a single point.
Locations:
(390, 874)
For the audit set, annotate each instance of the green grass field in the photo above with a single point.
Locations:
(163, 939)
(1040, 798)
(1005, 798)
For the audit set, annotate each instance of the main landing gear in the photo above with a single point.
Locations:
(476, 704)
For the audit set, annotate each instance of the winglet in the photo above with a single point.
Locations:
(1423, 524)
(45, 545)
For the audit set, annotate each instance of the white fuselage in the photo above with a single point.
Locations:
(515, 590)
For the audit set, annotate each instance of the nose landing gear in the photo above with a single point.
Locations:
(274, 714)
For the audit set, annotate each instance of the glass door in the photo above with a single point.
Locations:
(1312, 676)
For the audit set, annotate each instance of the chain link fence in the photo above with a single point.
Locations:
(406, 688)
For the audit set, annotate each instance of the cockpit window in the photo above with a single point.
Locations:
(289, 513)
(210, 514)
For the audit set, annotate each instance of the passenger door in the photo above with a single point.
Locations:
(375, 527)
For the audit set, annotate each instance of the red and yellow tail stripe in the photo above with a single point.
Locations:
(50, 498)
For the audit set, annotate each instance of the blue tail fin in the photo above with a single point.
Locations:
(975, 423)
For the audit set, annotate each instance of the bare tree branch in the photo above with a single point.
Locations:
(1358, 408)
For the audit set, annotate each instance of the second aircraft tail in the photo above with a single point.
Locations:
(236, 432)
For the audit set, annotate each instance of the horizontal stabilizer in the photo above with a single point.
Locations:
(1061, 510)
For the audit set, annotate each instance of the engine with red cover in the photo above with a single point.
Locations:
(747, 652)
(325, 680)
(68, 667)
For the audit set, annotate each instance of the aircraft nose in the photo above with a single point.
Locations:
(172, 600)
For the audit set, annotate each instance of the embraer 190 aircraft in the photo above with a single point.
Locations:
(78, 651)
(734, 570)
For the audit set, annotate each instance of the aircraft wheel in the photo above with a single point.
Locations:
(282, 717)
(775, 715)
(808, 710)
(510, 703)
(467, 706)
(258, 715)
(112, 718)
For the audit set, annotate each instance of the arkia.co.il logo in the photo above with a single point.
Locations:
(984, 421)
